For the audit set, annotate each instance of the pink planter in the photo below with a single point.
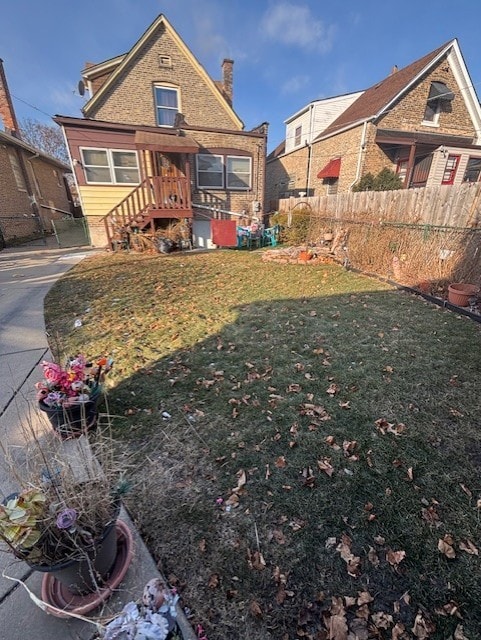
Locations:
(459, 293)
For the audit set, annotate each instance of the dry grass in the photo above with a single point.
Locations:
(230, 369)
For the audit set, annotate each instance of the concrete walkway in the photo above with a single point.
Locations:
(26, 275)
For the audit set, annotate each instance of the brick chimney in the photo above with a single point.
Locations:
(7, 113)
(227, 79)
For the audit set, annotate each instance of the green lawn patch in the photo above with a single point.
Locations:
(309, 443)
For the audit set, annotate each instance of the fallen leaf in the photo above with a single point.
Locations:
(255, 560)
(325, 465)
(468, 546)
(466, 490)
(423, 627)
(459, 633)
(241, 480)
(373, 557)
(395, 557)
(308, 478)
(202, 545)
(358, 627)
(364, 598)
(281, 462)
(446, 548)
(332, 389)
(397, 632)
(382, 620)
(278, 536)
(410, 474)
(255, 609)
(213, 581)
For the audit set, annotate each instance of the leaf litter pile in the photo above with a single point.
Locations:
(308, 441)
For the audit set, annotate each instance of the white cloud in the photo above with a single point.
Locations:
(294, 24)
(295, 84)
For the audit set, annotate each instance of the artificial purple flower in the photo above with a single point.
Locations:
(66, 519)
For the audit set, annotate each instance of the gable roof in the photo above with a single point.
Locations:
(119, 63)
(378, 98)
(8, 139)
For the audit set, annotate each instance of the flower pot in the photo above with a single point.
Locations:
(72, 421)
(459, 293)
(305, 256)
(91, 566)
(63, 601)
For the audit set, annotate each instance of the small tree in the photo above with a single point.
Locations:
(385, 180)
(45, 138)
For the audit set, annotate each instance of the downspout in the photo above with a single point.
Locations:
(362, 146)
(309, 151)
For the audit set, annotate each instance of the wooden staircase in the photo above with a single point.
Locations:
(155, 197)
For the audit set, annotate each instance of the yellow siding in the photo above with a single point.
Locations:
(98, 201)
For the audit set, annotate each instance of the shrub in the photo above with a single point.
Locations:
(294, 225)
(385, 180)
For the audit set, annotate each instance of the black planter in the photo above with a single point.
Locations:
(74, 420)
(91, 566)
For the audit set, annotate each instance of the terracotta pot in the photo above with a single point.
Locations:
(305, 256)
(460, 292)
(63, 601)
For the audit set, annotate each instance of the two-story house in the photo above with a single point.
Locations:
(160, 141)
(422, 121)
(33, 190)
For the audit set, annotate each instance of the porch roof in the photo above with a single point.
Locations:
(154, 141)
(393, 136)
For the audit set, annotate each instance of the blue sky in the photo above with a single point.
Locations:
(286, 52)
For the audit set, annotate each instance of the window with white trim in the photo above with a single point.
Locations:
(166, 105)
(238, 172)
(109, 166)
(450, 169)
(297, 136)
(224, 172)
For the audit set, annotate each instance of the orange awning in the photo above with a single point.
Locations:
(331, 170)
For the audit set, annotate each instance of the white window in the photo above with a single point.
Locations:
(108, 166)
(238, 172)
(219, 172)
(166, 104)
(210, 171)
(17, 171)
(297, 136)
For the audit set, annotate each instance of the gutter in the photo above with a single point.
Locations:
(362, 146)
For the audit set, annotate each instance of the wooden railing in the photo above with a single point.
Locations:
(139, 206)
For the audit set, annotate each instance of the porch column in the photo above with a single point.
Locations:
(410, 167)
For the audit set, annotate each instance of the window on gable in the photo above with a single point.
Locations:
(450, 170)
(439, 95)
(473, 170)
(297, 136)
(219, 172)
(166, 104)
(104, 166)
(17, 171)
(165, 61)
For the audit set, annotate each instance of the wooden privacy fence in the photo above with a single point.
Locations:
(443, 205)
(427, 236)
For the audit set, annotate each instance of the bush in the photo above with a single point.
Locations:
(294, 225)
(385, 180)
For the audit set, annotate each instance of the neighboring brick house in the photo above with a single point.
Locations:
(422, 121)
(161, 142)
(33, 191)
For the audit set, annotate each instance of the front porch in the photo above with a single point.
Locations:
(164, 192)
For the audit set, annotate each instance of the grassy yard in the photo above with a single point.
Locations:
(307, 440)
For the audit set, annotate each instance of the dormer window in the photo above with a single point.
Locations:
(439, 95)
(297, 136)
(166, 104)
